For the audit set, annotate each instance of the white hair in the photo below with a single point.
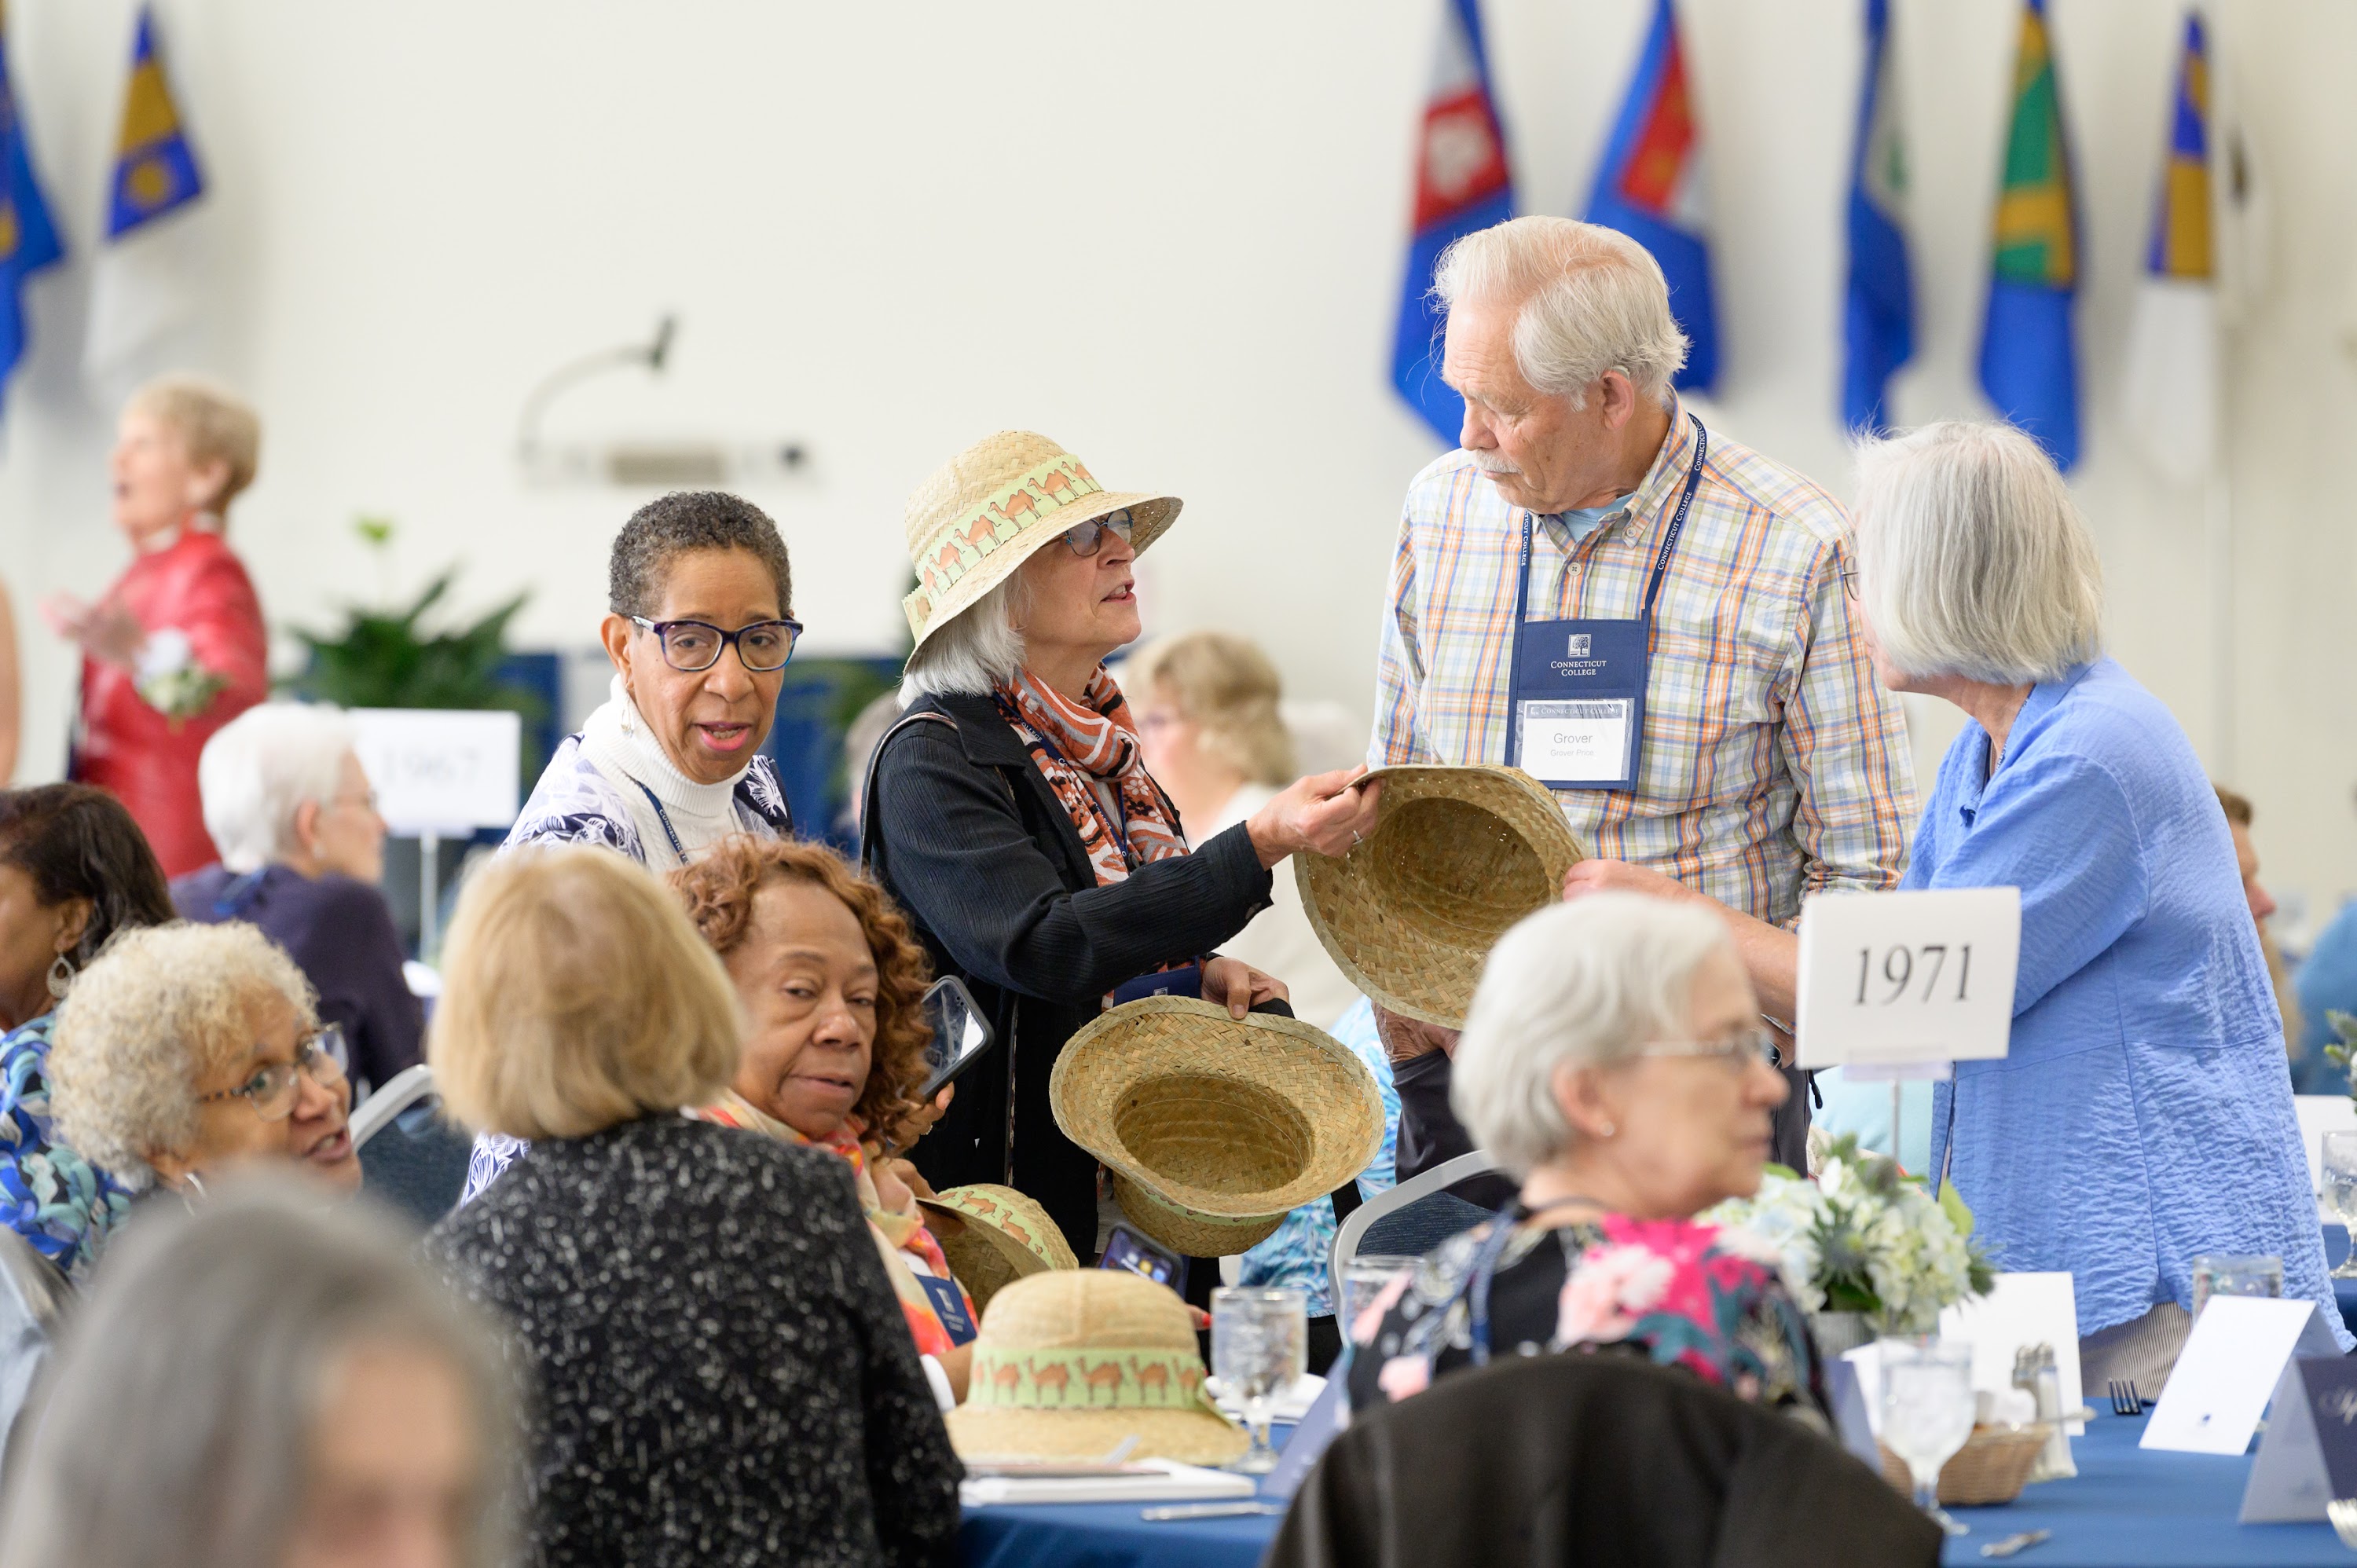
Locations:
(258, 771)
(974, 651)
(1592, 300)
(1585, 983)
(1973, 559)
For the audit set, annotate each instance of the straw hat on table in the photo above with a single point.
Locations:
(1214, 1127)
(987, 509)
(1069, 1362)
(994, 1236)
(1458, 855)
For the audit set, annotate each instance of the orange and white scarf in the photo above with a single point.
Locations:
(1090, 756)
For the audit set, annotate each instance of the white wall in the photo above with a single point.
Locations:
(1168, 236)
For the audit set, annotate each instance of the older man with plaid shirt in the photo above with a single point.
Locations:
(1765, 761)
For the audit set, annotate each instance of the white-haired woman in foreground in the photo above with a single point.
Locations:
(2142, 1113)
(265, 1384)
(1613, 1059)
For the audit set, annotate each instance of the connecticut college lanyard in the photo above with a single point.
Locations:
(1579, 685)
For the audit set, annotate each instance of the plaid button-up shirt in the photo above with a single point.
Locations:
(1774, 764)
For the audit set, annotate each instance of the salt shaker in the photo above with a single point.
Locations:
(2033, 1368)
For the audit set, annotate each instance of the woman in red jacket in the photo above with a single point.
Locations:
(175, 649)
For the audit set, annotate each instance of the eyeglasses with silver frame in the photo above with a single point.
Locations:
(271, 1090)
(1737, 1050)
(1086, 538)
(691, 647)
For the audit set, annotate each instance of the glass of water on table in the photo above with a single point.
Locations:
(2340, 1171)
(1260, 1347)
(1927, 1413)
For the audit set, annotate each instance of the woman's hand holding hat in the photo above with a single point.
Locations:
(1328, 812)
(1239, 987)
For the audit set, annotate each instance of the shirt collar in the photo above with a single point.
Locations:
(1638, 510)
(2043, 699)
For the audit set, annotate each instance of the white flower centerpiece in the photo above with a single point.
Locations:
(1865, 1250)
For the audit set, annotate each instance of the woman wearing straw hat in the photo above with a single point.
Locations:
(1012, 812)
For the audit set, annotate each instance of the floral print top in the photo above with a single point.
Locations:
(1679, 1293)
(50, 1195)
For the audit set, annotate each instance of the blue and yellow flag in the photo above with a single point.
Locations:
(2180, 222)
(28, 239)
(2029, 361)
(1878, 314)
(155, 168)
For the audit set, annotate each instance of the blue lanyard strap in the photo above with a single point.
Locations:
(664, 818)
(1661, 561)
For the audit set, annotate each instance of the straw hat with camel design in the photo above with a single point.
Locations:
(1458, 855)
(983, 512)
(1069, 1362)
(994, 1236)
(1214, 1127)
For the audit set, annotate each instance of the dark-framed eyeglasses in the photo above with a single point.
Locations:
(271, 1090)
(1849, 581)
(693, 646)
(1087, 538)
(1737, 1050)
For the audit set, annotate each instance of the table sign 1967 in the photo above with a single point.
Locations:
(1907, 982)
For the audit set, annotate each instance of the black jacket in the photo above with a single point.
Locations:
(1556, 1461)
(970, 841)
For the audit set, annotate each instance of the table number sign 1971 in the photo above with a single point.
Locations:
(1907, 982)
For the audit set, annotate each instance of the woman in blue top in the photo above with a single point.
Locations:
(2143, 1112)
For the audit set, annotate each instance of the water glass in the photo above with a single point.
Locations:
(2340, 1170)
(1363, 1279)
(1260, 1347)
(2225, 1274)
(1927, 1412)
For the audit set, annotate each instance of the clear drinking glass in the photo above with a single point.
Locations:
(2234, 1274)
(2341, 1193)
(1260, 1347)
(1927, 1412)
(1363, 1279)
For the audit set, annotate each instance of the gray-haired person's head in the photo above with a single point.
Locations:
(1973, 560)
(674, 525)
(1582, 984)
(182, 1422)
(973, 652)
(263, 766)
(1593, 300)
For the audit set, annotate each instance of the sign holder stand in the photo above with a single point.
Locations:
(429, 902)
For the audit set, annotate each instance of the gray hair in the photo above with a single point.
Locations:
(260, 769)
(670, 526)
(974, 651)
(1593, 300)
(1973, 559)
(1579, 985)
(183, 1407)
(161, 1009)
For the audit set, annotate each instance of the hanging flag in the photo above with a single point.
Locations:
(1651, 187)
(1462, 184)
(147, 275)
(2029, 364)
(1879, 318)
(2171, 393)
(28, 239)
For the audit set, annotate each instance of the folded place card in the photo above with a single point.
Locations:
(1853, 1418)
(2229, 1366)
(2023, 1309)
(2309, 1456)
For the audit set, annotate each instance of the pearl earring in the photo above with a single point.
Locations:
(1605, 1130)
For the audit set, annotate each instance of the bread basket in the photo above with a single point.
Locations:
(1991, 1467)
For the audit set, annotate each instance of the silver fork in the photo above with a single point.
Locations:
(2342, 1512)
(2125, 1400)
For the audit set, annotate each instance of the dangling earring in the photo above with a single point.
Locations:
(61, 976)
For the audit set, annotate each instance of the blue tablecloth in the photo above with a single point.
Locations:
(2336, 1249)
(2125, 1508)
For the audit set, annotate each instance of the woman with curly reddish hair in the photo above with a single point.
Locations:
(833, 986)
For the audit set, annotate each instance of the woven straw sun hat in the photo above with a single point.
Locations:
(987, 509)
(993, 1235)
(1069, 1362)
(1458, 855)
(1214, 1127)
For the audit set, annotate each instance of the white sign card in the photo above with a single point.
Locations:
(442, 772)
(2228, 1368)
(2022, 1309)
(1907, 980)
(2309, 1455)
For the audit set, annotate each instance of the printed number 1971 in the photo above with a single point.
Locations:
(1898, 966)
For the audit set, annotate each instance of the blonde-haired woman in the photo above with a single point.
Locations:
(175, 648)
(724, 1374)
(1207, 711)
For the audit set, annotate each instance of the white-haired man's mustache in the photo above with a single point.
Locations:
(1492, 463)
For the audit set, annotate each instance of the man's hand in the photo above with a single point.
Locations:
(1404, 1039)
(1620, 876)
(1241, 986)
